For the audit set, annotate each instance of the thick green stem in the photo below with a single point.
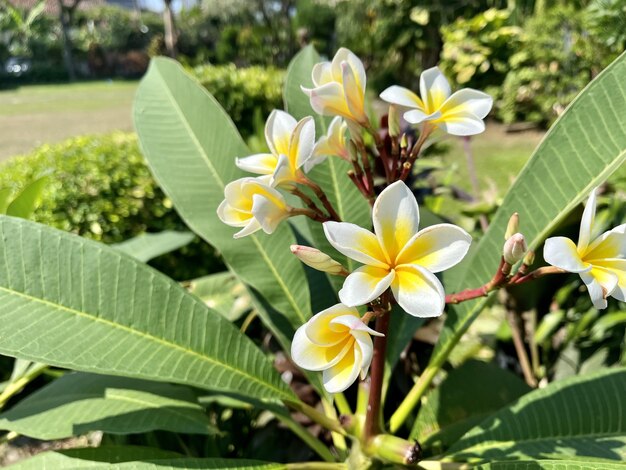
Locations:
(319, 418)
(315, 444)
(411, 400)
(19, 384)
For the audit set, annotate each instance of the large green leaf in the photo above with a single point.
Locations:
(74, 303)
(332, 174)
(466, 396)
(137, 458)
(148, 246)
(582, 464)
(191, 145)
(78, 403)
(27, 200)
(581, 150)
(223, 293)
(5, 199)
(580, 416)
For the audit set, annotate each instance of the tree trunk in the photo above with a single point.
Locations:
(66, 14)
(171, 36)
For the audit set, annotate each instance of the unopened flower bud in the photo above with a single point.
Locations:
(404, 143)
(529, 258)
(513, 227)
(352, 150)
(393, 121)
(514, 248)
(395, 449)
(318, 260)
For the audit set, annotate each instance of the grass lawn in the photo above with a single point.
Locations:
(36, 114)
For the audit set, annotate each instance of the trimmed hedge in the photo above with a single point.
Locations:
(101, 188)
(247, 94)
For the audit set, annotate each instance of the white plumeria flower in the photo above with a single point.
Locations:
(398, 255)
(339, 87)
(334, 143)
(337, 342)
(253, 205)
(459, 113)
(291, 145)
(600, 262)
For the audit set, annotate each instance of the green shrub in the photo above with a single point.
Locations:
(101, 188)
(246, 94)
(476, 50)
(557, 58)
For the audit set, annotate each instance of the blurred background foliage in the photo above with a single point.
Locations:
(532, 56)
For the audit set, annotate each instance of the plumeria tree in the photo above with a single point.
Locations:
(342, 265)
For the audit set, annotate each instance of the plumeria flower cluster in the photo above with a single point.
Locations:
(399, 261)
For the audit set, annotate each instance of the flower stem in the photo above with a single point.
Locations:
(518, 342)
(307, 201)
(321, 195)
(373, 415)
(415, 152)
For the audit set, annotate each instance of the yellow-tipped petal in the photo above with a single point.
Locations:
(561, 252)
(261, 163)
(396, 218)
(355, 242)
(322, 74)
(322, 332)
(436, 248)
(586, 223)
(468, 101)
(302, 142)
(311, 356)
(611, 244)
(434, 89)
(617, 267)
(340, 376)
(418, 291)
(278, 129)
(329, 100)
(402, 96)
(355, 98)
(364, 285)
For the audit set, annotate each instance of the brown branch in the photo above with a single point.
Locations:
(520, 349)
(307, 201)
(321, 195)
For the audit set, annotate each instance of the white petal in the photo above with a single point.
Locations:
(586, 223)
(418, 292)
(355, 242)
(329, 100)
(268, 213)
(253, 226)
(278, 130)
(364, 343)
(470, 101)
(321, 330)
(611, 244)
(312, 162)
(461, 124)
(345, 55)
(436, 248)
(401, 96)
(284, 172)
(311, 356)
(416, 116)
(434, 89)
(231, 216)
(618, 268)
(364, 285)
(322, 73)
(343, 374)
(354, 323)
(561, 252)
(396, 218)
(302, 142)
(261, 163)
(595, 290)
(355, 97)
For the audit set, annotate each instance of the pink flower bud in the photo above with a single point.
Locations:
(514, 248)
(317, 260)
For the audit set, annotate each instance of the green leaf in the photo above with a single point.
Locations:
(74, 303)
(466, 396)
(331, 175)
(191, 145)
(5, 199)
(152, 245)
(223, 293)
(78, 403)
(580, 416)
(129, 457)
(27, 200)
(581, 464)
(581, 150)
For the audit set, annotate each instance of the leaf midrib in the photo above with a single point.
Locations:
(253, 237)
(145, 335)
